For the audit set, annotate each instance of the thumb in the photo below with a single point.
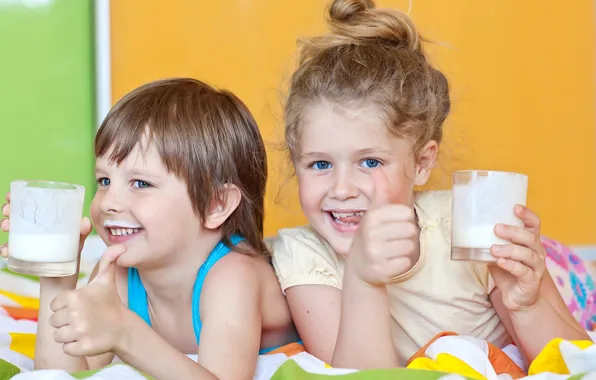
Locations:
(380, 195)
(107, 264)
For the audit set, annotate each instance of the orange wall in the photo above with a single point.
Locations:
(522, 74)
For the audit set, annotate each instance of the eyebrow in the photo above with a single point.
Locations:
(360, 152)
(133, 173)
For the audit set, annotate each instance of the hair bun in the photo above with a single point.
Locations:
(342, 11)
(359, 22)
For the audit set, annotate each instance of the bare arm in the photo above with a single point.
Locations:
(231, 314)
(148, 352)
(49, 353)
(343, 327)
(316, 311)
(365, 327)
(550, 310)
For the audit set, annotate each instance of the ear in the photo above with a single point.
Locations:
(425, 162)
(223, 206)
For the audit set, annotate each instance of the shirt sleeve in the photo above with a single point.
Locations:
(301, 258)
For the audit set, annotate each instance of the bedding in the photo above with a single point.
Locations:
(448, 356)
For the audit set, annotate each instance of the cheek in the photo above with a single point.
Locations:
(310, 191)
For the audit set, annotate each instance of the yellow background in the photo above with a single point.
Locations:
(522, 74)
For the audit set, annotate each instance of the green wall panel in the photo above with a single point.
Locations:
(46, 92)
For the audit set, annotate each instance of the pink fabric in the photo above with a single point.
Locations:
(575, 280)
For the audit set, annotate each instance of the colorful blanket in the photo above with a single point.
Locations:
(448, 356)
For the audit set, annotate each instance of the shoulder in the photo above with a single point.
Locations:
(235, 278)
(435, 204)
(299, 240)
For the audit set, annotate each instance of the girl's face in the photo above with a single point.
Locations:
(138, 203)
(339, 147)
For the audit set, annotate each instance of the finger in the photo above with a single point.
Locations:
(60, 318)
(6, 210)
(86, 229)
(518, 253)
(107, 264)
(60, 301)
(75, 349)
(516, 268)
(529, 218)
(395, 231)
(380, 195)
(4, 250)
(5, 225)
(8, 197)
(517, 235)
(65, 334)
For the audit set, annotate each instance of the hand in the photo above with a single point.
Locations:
(387, 241)
(521, 265)
(5, 226)
(89, 320)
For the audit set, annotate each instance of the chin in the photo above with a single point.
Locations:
(340, 242)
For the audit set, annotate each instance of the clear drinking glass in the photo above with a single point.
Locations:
(45, 224)
(482, 199)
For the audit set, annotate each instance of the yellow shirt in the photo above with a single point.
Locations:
(436, 295)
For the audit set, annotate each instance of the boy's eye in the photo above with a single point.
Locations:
(103, 181)
(321, 165)
(141, 184)
(370, 163)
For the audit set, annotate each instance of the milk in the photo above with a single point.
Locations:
(482, 199)
(44, 248)
(475, 236)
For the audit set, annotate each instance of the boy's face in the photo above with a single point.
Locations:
(138, 203)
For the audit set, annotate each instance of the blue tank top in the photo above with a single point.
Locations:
(137, 295)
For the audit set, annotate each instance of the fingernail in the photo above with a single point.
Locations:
(496, 248)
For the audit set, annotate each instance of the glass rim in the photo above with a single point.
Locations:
(66, 186)
(489, 171)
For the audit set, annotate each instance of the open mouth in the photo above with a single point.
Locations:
(346, 218)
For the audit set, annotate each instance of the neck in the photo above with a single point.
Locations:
(172, 281)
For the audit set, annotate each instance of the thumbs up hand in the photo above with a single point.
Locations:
(386, 244)
(88, 320)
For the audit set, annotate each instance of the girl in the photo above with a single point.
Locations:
(181, 172)
(370, 280)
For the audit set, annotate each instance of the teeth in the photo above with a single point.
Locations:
(123, 231)
(346, 214)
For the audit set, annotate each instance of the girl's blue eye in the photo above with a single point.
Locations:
(141, 184)
(371, 163)
(321, 165)
(103, 181)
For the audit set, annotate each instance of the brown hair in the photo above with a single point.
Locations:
(371, 56)
(206, 137)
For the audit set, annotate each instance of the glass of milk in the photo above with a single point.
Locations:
(482, 199)
(45, 224)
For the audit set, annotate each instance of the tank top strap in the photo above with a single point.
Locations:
(217, 253)
(137, 295)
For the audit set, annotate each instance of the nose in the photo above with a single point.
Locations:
(111, 203)
(344, 185)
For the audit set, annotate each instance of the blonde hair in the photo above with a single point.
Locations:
(371, 56)
(204, 136)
